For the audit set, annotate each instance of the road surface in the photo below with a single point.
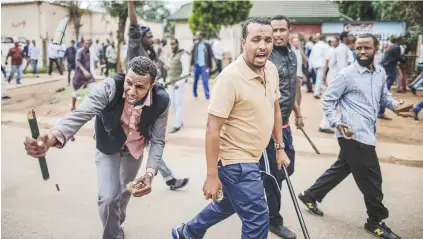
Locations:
(33, 208)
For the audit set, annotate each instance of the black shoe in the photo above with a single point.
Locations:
(177, 232)
(383, 117)
(310, 204)
(380, 230)
(282, 232)
(416, 115)
(174, 130)
(179, 183)
(327, 131)
(413, 90)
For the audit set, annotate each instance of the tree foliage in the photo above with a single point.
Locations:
(409, 11)
(75, 14)
(209, 16)
(154, 11)
(119, 9)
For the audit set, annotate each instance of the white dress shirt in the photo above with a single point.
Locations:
(52, 51)
(339, 60)
(299, 61)
(318, 55)
(217, 50)
(34, 52)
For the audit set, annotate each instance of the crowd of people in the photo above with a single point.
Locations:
(245, 151)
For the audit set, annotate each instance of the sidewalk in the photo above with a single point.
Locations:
(326, 146)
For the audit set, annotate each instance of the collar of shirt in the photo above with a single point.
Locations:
(248, 73)
(363, 69)
(140, 104)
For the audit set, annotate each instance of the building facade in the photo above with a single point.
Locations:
(306, 17)
(38, 20)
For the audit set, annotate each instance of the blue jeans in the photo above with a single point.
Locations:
(18, 69)
(418, 107)
(34, 66)
(390, 79)
(205, 77)
(243, 193)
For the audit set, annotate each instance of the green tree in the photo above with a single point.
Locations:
(157, 11)
(75, 14)
(409, 11)
(209, 16)
(358, 10)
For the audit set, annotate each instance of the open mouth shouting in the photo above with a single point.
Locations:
(261, 56)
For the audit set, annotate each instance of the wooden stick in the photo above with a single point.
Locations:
(33, 125)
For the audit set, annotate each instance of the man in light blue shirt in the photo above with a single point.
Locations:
(201, 61)
(359, 90)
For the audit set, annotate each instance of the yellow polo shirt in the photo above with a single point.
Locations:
(246, 100)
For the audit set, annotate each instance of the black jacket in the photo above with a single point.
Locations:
(208, 54)
(286, 63)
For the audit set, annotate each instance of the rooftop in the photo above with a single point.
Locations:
(290, 9)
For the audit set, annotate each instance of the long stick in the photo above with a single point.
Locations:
(297, 208)
(33, 125)
(309, 140)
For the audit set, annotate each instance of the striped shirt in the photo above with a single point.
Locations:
(359, 93)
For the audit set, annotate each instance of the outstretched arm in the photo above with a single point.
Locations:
(131, 13)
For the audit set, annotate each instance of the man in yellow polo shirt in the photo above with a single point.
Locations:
(243, 114)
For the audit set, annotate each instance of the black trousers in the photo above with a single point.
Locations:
(54, 61)
(360, 160)
(273, 177)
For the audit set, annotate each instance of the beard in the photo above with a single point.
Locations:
(367, 62)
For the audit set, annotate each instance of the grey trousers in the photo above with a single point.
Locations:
(114, 172)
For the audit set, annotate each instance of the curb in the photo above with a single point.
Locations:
(37, 83)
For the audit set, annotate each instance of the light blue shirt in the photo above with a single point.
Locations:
(201, 58)
(359, 93)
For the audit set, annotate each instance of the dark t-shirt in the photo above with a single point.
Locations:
(17, 55)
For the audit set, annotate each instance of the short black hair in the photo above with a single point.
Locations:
(174, 39)
(368, 35)
(72, 41)
(281, 17)
(343, 35)
(258, 20)
(141, 65)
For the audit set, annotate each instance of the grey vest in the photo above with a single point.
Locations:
(175, 68)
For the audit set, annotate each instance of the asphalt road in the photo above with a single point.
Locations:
(33, 208)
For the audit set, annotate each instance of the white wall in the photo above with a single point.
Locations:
(184, 35)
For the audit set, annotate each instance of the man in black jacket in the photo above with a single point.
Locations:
(286, 62)
(201, 61)
(389, 62)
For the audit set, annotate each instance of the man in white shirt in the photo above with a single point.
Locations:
(34, 54)
(111, 58)
(317, 62)
(178, 67)
(339, 59)
(52, 56)
(217, 54)
(300, 75)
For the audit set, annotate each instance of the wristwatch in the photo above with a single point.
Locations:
(150, 174)
(279, 146)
